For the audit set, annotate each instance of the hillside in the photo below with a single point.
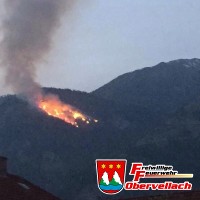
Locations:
(162, 88)
(155, 121)
(49, 152)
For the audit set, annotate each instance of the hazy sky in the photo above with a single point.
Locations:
(106, 38)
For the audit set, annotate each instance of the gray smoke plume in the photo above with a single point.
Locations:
(28, 28)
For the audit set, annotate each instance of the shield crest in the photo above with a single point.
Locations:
(110, 175)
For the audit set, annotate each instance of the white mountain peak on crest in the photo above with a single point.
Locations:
(117, 178)
(105, 178)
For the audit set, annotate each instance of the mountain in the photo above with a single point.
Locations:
(150, 115)
(161, 89)
(52, 154)
(116, 179)
(104, 180)
(114, 184)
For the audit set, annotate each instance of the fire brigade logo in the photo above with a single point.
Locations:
(110, 175)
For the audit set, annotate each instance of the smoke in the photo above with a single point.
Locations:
(27, 29)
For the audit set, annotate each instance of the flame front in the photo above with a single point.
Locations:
(55, 108)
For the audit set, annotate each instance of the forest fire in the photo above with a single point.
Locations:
(55, 108)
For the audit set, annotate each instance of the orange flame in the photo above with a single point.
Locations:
(55, 108)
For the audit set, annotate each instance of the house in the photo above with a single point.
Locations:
(16, 188)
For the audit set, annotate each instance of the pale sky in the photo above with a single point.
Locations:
(103, 39)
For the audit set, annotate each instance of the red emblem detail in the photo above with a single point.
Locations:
(111, 175)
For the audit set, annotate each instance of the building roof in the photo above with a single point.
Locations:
(3, 158)
(16, 188)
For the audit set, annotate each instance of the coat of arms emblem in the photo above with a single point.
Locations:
(110, 175)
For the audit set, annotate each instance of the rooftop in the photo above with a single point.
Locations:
(14, 188)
